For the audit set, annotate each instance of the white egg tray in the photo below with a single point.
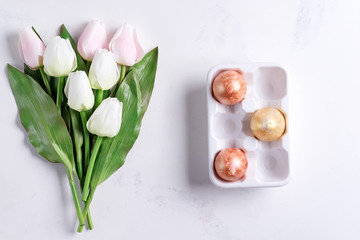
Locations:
(229, 126)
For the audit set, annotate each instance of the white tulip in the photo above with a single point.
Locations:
(78, 91)
(104, 72)
(59, 58)
(106, 119)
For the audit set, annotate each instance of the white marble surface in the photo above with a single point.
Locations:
(163, 190)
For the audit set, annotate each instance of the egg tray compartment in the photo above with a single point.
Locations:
(229, 126)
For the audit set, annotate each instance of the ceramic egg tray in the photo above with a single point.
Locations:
(229, 126)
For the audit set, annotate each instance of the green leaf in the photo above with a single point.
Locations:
(134, 92)
(36, 33)
(145, 72)
(39, 116)
(66, 35)
(77, 135)
(66, 115)
(35, 74)
(77, 128)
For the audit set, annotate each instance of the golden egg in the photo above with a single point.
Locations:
(268, 124)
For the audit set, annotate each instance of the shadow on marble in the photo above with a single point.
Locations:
(197, 144)
(69, 220)
(13, 48)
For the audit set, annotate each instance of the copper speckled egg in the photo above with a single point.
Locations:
(231, 164)
(229, 87)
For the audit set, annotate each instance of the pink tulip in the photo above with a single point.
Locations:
(31, 48)
(92, 39)
(125, 46)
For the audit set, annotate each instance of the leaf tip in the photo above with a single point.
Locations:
(156, 49)
(10, 68)
(63, 30)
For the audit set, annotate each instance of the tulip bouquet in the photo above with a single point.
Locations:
(82, 105)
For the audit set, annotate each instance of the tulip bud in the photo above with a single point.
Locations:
(125, 46)
(59, 58)
(106, 119)
(78, 91)
(92, 39)
(31, 48)
(104, 72)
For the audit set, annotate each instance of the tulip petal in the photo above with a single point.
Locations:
(124, 46)
(104, 72)
(31, 48)
(139, 50)
(78, 91)
(59, 58)
(106, 119)
(92, 39)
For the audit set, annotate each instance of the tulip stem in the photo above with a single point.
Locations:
(90, 168)
(88, 216)
(86, 138)
(86, 211)
(89, 220)
(46, 80)
(75, 196)
(59, 93)
(88, 64)
(79, 161)
(99, 98)
(122, 76)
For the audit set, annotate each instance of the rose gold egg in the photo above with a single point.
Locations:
(231, 164)
(229, 87)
